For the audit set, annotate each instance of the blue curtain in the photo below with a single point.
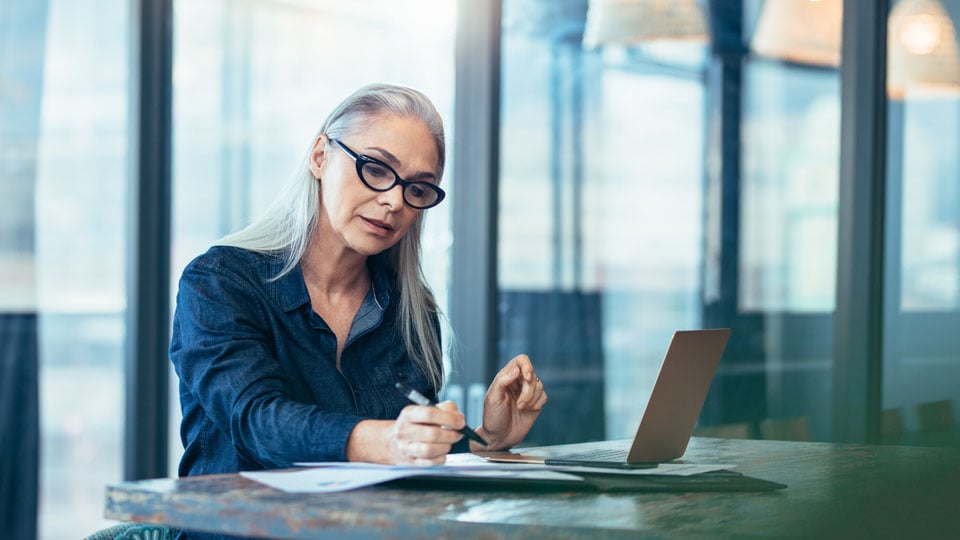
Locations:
(19, 426)
(562, 332)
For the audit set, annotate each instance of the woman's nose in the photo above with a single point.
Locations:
(393, 197)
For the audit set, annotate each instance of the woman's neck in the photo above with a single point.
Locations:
(334, 271)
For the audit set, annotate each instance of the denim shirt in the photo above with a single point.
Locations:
(259, 387)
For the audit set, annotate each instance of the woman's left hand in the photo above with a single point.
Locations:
(511, 406)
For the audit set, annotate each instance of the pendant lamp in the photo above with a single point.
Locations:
(801, 31)
(627, 22)
(921, 50)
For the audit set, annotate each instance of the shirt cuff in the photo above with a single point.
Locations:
(332, 444)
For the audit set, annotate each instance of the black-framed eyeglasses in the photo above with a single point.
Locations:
(379, 176)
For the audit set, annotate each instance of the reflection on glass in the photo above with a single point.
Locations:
(600, 214)
(789, 189)
(660, 185)
(930, 206)
(921, 399)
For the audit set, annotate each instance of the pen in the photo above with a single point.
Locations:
(421, 399)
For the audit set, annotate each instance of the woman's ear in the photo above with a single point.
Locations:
(318, 155)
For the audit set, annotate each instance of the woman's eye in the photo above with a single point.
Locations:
(376, 171)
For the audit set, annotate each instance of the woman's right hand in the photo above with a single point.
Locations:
(421, 435)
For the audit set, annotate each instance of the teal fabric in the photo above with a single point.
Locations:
(19, 414)
(135, 531)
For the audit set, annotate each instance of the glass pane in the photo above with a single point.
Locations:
(929, 213)
(253, 81)
(64, 153)
(665, 180)
(921, 399)
(789, 188)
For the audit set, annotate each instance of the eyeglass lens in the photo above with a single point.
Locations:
(381, 178)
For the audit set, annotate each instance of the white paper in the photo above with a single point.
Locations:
(329, 478)
(464, 460)
(324, 479)
(473, 462)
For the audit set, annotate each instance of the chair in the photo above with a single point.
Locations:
(786, 429)
(135, 531)
(935, 416)
(936, 425)
(740, 430)
(891, 426)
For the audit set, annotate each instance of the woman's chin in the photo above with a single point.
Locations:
(370, 248)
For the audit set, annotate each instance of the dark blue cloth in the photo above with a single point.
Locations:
(259, 387)
(19, 425)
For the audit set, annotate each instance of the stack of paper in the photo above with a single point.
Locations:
(339, 476)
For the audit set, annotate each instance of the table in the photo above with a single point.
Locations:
(833, 490)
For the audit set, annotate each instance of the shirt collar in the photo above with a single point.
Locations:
(381, 281)
(290, 291)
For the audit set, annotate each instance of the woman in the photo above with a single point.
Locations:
(290, 335)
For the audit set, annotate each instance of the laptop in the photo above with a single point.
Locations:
(672, 411)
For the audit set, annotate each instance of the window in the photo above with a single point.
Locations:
(670, 179)
(921, 400)
(65, 151)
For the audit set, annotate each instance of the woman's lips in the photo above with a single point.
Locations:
(379, 226)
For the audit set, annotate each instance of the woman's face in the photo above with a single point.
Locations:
(354, 216)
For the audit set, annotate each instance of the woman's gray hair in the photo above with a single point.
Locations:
(290, 222)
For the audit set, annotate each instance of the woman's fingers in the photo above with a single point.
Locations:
(424, 450)
(530, 384)
(444, 414)
(422, 435)
(506, 377)
(523, 363)
(533, 397)
(540, 401)
(518, 379)
(427, 433)
(518, 371)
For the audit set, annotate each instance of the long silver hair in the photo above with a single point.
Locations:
(290, 222)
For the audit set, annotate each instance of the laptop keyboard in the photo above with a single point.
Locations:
(611, 455)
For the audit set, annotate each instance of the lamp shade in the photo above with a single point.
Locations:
(633, 21)
(801, 31)
(922, 55)
(921, 50)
